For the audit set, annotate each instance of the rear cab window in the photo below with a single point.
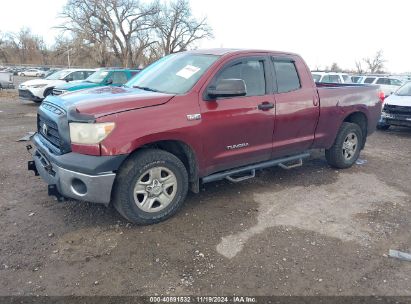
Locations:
(286, 75)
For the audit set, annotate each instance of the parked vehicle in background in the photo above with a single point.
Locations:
(103, 77)
(38, 89)
(51, 71)
(33, 73)
(388, 85)
(191, 118)
(356, 78)
(331, 77)
(397, 109)
(6, 80)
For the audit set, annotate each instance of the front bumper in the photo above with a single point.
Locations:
(61, 173)
(395, 119)
(28, 95)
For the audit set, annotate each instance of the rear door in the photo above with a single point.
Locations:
(238, 130)
(297, 107)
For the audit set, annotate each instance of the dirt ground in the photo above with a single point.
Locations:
(312, 230)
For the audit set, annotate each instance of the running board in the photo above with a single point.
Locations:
(250, 169)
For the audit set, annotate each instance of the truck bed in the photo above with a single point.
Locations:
(338, 101)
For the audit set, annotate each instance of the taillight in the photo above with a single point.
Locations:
(381, 95)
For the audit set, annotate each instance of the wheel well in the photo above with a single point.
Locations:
(187, 156)
(360, 119)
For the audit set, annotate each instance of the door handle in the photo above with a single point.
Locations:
(265, 106)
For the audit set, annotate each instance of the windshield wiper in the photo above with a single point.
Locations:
(146, 89)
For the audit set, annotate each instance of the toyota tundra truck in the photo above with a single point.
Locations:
(192, 118)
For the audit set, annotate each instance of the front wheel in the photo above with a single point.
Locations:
(150, 187)
(383, 127)
(346, 148)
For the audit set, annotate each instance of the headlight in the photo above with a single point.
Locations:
(90, 133)
(36, 86)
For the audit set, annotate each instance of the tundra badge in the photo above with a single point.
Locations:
(193, 116)
(232, 147)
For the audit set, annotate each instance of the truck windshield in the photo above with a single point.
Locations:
(405, 90)
(173, 74)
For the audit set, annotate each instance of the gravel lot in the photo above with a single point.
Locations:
(308, 231)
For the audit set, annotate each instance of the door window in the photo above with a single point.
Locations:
(287, 76)
(369, 80)
(335, 79)
(251, 71)
(119, 77)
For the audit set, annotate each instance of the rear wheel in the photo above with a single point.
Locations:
(22, 74)
(346, 148)
(150, 187)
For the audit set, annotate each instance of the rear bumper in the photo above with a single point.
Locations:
(92, 183)
(8, 85)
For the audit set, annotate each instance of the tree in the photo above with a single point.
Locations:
(358, 67)
(375, 64)
(335, 68)
(177, 29)
(120, 26)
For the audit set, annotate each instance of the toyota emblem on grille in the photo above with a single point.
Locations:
(44, 129)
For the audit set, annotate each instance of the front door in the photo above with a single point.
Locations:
(238, 130)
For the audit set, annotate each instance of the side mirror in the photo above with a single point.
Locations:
(68, 79)
(109, 81)
(228, 88)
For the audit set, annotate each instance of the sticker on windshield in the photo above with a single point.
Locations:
(188, 71)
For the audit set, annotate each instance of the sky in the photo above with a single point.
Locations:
(321, 31)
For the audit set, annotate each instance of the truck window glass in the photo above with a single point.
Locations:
(287, 76)
(174, 74)
(251, 71)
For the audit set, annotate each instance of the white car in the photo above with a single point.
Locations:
(32, 72)
(396, 110)
(387, 84)
(38, 89)
(331, 77)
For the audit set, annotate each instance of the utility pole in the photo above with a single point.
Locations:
(68, 57)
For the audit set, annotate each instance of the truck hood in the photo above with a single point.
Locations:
(107, 100)
(397, 100)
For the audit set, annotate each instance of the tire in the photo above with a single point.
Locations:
(22, 74)
(150, 170)
(37, 75)
(383, 127)
(346, 148)
(48, 92)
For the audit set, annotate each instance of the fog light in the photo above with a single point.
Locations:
(78, 187)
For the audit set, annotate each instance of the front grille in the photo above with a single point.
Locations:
(401, 110)
(49, 130)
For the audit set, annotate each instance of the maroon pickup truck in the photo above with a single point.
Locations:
(192, 118)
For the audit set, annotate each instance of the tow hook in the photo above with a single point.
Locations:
(53, 191)
(31, 166)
